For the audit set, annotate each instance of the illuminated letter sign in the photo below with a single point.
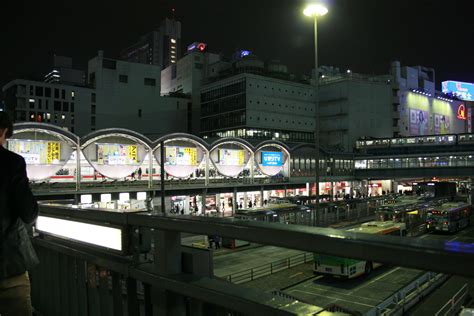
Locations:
(462, 112)
(271, 158)
(462, 90)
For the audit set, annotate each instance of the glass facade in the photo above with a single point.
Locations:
(416, 162)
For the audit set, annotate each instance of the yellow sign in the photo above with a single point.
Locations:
(132, 153)
(53, 152)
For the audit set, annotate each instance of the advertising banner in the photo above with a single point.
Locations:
(463, 90)
(441, 124)
(116, 154)
(231, 157)
(36, 152)
(180, 156)
(419, 122)
(272, 158)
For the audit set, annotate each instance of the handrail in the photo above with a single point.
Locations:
(251, 274)
(454, 301)
(450, 257)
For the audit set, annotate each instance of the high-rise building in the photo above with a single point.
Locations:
(63, 72)
(161, 47)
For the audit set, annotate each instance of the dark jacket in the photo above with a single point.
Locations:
(17, 208)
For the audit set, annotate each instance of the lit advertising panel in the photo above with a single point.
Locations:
(272, 159)
(441, 124)
(231, 157)
(180, 156)
(117, 154)
(463, 90)
(418, 122)
(37, 152)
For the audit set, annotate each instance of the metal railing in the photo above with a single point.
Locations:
(455, 303)
(408, 295)
(268, 268)
(73, 277)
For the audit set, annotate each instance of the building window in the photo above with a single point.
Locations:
(63, 94)
(56, 93)
(39, 91)
(72, 107)
(93, 108)
(32, 103)
(57, 106)
(47, 92)
(123, 78)
(198, 65)
(40, 103)
(73, 94)
(139, 112)
(109, 64)
(31, 90)
(93, 97)
(93, 120)
(65, 106)
(47, 104)
(150, 82)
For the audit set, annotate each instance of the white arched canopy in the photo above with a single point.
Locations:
(115, 154)
(230, 157)
(183, 155)
(271, 158)
(46, 148)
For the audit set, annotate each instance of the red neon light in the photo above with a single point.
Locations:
(462, 112)
(202, 47)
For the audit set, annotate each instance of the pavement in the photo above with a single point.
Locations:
(360, 294)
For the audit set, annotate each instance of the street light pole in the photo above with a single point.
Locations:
(315, 10)
(316, 123)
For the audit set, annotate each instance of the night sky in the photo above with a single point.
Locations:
(361, 35)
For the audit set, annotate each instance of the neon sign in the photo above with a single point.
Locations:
(462, 112)
(462, 90)
(197, 46)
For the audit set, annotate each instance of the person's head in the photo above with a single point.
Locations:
(6, 127)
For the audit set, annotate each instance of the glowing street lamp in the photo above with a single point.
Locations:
(314, 10)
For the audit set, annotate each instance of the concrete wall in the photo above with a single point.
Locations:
(135, 105)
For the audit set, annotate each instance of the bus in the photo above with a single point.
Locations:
(351, 268)
(286, 213)
(449, 217)
(411, 210)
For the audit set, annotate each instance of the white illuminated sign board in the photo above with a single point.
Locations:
(102, 236)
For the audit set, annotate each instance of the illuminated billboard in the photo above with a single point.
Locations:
(272, 159)
(117, 154)
(180, 156)
(419, 122)
(463, 90)
(36, 152)
(231, 157)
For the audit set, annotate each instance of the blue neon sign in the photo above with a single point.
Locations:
(272, 159)
(462, 90)
(244, 53)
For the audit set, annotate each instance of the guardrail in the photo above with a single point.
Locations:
(73, 277)
(409, 295)
(269, 268)
(454, 304)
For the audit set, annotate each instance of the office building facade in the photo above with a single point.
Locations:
(63, 105)
(128, 95)
(258, 107)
